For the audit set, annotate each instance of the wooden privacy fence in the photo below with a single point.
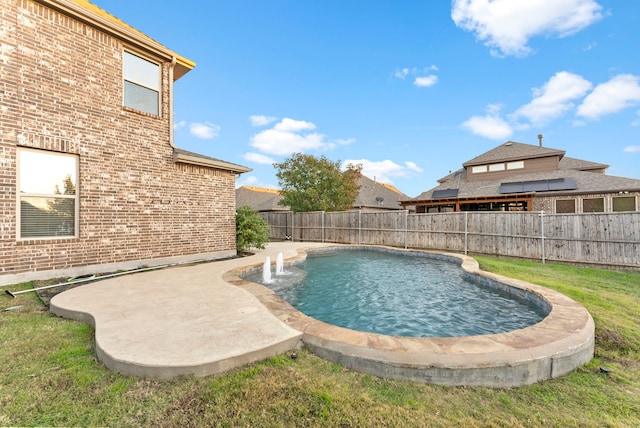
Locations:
(610, 239)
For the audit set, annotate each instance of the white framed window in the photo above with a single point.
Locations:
(48, 196)
(515, 165)
(141, 84)
(496, 167)
(479, 169)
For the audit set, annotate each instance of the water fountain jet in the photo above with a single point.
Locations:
(266, 271)
(280, 264)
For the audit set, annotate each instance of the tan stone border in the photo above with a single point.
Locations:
(561, 342)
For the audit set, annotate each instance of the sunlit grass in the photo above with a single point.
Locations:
(49, 376)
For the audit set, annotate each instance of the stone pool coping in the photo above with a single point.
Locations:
(561, 342)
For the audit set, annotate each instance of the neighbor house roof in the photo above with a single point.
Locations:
(513, 151)
(259, 199)
(93, 15)
(373, 194)
(587, 182)
(588, 176)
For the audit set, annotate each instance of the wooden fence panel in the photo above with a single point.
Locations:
(383, 228)
(342, 227)
(598, 238)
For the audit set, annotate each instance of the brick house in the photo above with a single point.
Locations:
(91, 180)
(523, 177)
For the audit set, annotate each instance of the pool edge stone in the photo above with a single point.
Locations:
(563, 341)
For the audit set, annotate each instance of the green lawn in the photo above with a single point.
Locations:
(49, 376)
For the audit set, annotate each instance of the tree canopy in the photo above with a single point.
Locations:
(309, 183)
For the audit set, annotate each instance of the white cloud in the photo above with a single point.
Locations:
(179, 125)
(205, 130)
(554, 98)
(632, 149)
(491, 125)
(425, 81)
(420, 81)
(621, 92)
(261, 120)
(292, 125)
(345, 141)
(384, 171)
(291, 136)
(258, 158)
(252, 180)
(413, 167)
(507, 25)
(402, 73)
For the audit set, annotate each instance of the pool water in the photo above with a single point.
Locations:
(398, 294)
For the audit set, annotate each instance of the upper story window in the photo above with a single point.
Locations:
(48, 197)
(141, 84)
(515, 165)
(494, 167)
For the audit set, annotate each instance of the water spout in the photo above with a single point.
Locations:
(266, 271)
(280, 264)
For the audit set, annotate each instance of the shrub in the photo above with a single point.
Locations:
(252, 231)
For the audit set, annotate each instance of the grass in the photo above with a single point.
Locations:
(49, 376)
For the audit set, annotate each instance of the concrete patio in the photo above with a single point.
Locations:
(180, 320)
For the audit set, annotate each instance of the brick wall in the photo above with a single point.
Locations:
(61, 90)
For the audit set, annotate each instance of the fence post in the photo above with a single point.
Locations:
(293, 225)
(542, 235)
(406, 228)
(323, 226)
(359, 227)
(466, 232)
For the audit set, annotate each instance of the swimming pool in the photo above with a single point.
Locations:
(399, 294)
(561, 342)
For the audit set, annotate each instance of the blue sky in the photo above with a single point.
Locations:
(410, 89)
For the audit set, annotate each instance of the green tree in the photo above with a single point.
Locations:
(309, 183)
(252, 231)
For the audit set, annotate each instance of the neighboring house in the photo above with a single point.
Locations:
(523, 177)
(372, 196)
(376, 196)
(259, 199)
(91, 180)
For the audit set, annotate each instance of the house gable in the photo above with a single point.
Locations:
(511, 159)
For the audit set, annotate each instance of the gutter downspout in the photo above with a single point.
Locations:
(171, 83)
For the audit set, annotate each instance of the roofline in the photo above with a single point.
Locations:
(124, 32)
(208, 162)
(441, 201)
(551, 152)
(511, 195)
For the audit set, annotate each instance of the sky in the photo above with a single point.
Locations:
(409, 89)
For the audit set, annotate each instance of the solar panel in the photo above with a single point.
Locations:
(511, 188)
(539, 185)
(447, 193)
(563, 184)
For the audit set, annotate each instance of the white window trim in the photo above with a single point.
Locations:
(19, 196)
(157, 90)
(515, 165)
